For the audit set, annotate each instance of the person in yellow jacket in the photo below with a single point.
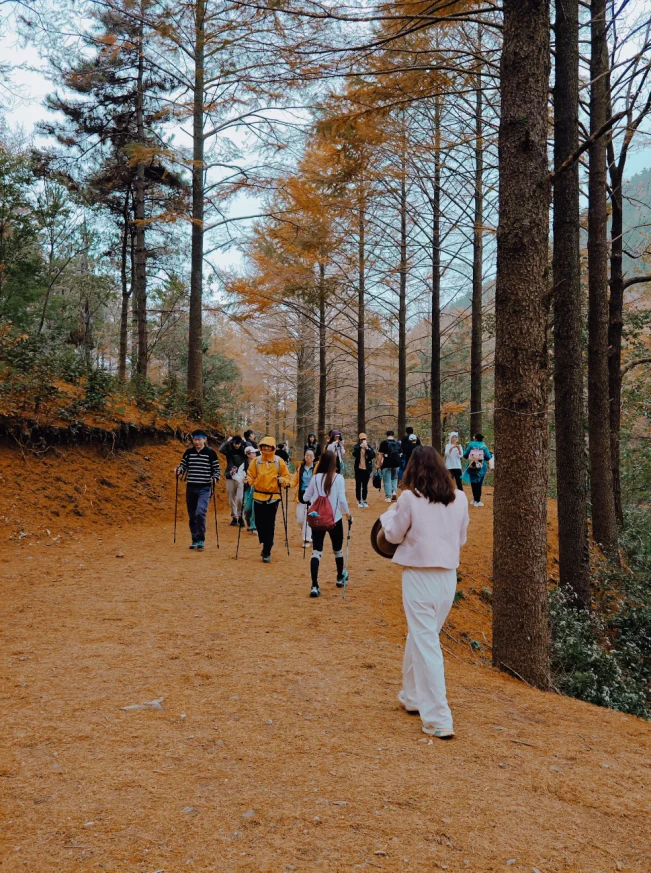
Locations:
(267, 475)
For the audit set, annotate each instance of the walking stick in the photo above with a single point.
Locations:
(239, 534)
(282, 506)
(343, 593)
(305, 532)
(214, 503)
(176, 504)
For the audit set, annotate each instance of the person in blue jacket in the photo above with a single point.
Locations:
(478, 455)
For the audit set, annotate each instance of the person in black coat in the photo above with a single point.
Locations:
(363, 456)
(312, 444)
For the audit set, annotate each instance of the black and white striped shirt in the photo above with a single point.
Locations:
(200, 468)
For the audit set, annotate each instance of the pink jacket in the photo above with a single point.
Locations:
(430, 534)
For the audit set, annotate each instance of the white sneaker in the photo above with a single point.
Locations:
(441, 733)
(365, 505)
(360, 505)
(402, 699)
(394, 496)
(479, 503)
(387, 500)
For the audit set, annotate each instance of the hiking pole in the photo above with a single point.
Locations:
(176, 504)
(214, 503)
(239, 534)
(345, 574)
(305, 533)
(282, 506)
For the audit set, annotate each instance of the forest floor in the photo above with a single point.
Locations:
(280, 744)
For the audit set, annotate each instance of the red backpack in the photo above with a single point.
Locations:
(321, 516)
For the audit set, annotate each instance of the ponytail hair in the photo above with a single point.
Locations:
(328, 466)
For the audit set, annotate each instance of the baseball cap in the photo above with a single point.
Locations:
(412, 437)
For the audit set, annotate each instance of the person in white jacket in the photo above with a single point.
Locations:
(429, 521)
(453, 455)
(326, 482)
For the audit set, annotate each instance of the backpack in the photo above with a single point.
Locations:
(393, 455)
(321, 517)
(476, 459)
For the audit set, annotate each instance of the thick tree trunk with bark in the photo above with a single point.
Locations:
(140, 288)
(435, 351)
(476, 350)
(195, 336)
(520, 610)
(304, 381)
(604, 520)
(126, 294)
(615, 328)
(568, 346)
(361, 319)
(323, 361)
(402, 305)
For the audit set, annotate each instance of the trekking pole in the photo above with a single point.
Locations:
(345, 574)
(176, 504)
(305, 533)
(214, 503)
(239, 534)
(282, 506)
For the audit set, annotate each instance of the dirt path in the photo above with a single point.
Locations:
(280, 745)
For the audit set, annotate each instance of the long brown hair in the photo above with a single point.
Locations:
(427, 476)
(328, 466)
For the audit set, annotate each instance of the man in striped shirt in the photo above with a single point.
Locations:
(200, 468)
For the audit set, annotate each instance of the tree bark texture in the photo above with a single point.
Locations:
(126, 294)
(195, 335)
(604, 521)
(304, 381)
(361, 319)
(140, 289)
(568, 346)
(615, 328)
(323, 361)
(402, 305)
(476, 350)
(435, 360)
(520, 609)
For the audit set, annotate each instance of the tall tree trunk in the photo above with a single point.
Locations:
(476, 350)
(126, 294)
(402, 304)
(195, 335)
(568, 345)
(604, 520)
(435, 360)
(520, 610)
(361, 316)
(305, 381)
(323, 363)
(616, 326)
(140, 288)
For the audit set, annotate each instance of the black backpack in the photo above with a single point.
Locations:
(393, 455)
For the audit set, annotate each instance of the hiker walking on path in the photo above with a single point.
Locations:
(249, 438)
(429, 521)
(233, 451)
(301, 480)
(363, 456)
(267, 475)
(248, 510)
(478, 455)
(282, 452)
(200, 468)
(453, 455)
(335, 445)
(407, 445)
(388, 462)
(314, 445)
(327, 483)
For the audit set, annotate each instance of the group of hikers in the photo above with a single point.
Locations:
(425, 526)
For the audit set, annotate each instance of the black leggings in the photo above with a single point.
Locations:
(476, 489)
(456, 474)
(361, 484)
(265, 522)
(337, 540)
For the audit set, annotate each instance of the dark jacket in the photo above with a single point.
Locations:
(316, 448)
(370, 454)
(234, 455)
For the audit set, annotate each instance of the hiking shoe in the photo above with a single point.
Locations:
(315, 592)
(266, 559)
(233, 522)
(199, 545)
(307, 542)
(340, 581)
(441, 733)
(241, 522)
(394, 496)
(194, 544)
(410, 707)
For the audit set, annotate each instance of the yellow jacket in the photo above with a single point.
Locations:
(263, 476)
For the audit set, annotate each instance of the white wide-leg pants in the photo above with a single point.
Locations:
(235, 491)
(427, 597)
(301, 518)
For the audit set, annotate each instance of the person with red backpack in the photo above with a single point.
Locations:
(326, 495)
(478, 455)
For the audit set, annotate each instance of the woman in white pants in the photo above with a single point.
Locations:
(429, 521)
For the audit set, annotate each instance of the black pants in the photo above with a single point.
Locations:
(197, 499)
(457, 478)
(476, 489)
(265, 522)
(337, 540)
(361, 484)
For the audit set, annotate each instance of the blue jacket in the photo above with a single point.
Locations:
(477, 475)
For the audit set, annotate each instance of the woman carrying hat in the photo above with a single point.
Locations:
(429, 523)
